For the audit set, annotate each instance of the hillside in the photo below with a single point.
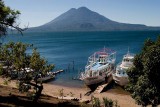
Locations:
(83, 19)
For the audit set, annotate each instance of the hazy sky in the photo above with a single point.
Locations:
(38, 12)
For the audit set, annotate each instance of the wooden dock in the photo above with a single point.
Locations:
(57, 72)
(46, 79)
(100, 88)
(50, 76)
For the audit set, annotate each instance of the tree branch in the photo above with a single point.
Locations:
(16, 27)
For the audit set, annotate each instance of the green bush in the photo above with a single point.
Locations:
(144, 83)
(96, 102)
(1, 70)
(109, 102)
(5, 82)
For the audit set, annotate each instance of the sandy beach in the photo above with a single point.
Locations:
(124, 100)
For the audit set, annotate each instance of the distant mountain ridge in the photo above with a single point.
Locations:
(83, 19)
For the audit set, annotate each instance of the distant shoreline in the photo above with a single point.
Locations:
(89, 31)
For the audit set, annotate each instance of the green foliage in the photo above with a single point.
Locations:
(24, 87)
(38, 64)
(144, 83)
(5, 82)
(7, 18)
(71, 94)
(17, 84)
(14, 55)
(16, 62)
(61, 94)
(116, 104)
(1, 70)
(107, 102)
(96, 102)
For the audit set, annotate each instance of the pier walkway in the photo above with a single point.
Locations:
(100, 88)
(56, 72)
(50, 76)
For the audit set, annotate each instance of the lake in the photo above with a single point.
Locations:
(64, 48)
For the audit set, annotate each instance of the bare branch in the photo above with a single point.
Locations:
(16, 27)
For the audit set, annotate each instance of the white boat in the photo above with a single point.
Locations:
(99, 67)
(120, 76)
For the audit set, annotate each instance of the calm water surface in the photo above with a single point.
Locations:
(62, 48)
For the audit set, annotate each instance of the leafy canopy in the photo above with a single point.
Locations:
(144, 83)
(7, 18)
(16, 63)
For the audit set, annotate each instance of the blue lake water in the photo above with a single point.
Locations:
(62, 48)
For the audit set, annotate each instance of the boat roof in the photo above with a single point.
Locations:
(129, 56)
(105, 51)
(94, 60)
(96, 65)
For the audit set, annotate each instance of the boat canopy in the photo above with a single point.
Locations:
(100, 58)
(105, 53)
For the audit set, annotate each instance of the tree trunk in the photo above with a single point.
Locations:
(38, 93)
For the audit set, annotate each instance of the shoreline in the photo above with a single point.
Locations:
(123, 100)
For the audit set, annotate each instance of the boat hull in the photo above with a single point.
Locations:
(93, 82)
(99, 66)
(120, 80)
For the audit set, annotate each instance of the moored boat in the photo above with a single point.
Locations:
(99, 67)
(120, 76)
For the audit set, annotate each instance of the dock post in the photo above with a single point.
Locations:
(68, 66)
(80, 95)
(73, 65)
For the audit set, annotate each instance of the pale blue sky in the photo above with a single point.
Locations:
(38, 12)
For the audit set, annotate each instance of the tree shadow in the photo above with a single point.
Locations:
(7, 101)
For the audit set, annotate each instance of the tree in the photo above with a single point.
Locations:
(24, 67)
(8, 19)
(144, 83)
(40, 68)
(14, 60)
